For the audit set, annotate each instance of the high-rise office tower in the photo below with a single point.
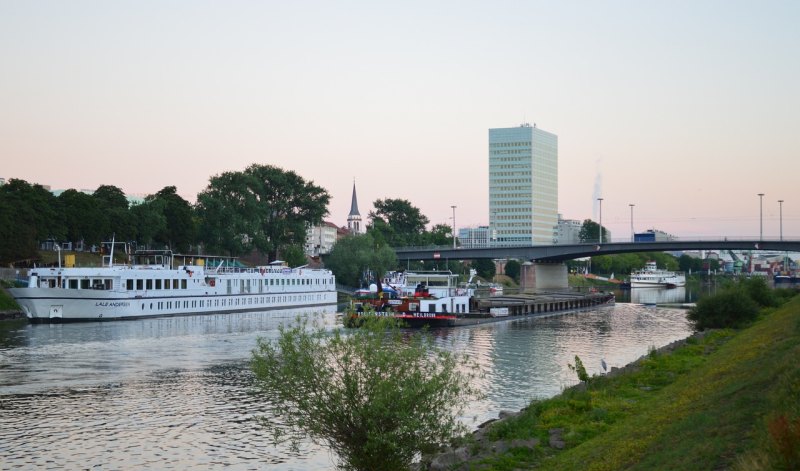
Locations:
(523, 185)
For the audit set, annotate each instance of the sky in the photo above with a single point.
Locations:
(686, 109)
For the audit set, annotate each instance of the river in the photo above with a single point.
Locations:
(177, 393)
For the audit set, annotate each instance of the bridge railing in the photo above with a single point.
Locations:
(614, 240)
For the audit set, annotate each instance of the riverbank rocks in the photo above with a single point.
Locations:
(556, 440)
(505, 414)
(448, 459)
(7, 315)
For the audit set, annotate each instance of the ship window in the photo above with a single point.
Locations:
(183, 284)
(129, 285)
(109, 283)
(149, 284)
(139, 285)
(158, 284)
(84, 284)
(73, 284)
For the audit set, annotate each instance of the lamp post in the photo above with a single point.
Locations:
(632, 237)
(761, 216)
(454, 226)
(780, 206)
(601, 219)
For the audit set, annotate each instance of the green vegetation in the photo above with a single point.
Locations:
(736, 304)
(7, 303)
(398, 223)
(590, 232)
(726, 400)
(513, 269)
(352, 256)
(376, 396)
(262, 208)
(485, 267)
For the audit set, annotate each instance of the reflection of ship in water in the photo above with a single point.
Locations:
(659, 295)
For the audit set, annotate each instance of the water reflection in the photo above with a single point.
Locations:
(658, 295)
(177, 393)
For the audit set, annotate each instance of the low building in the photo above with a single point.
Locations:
(568, 231)
(320, 239)
(474, 237)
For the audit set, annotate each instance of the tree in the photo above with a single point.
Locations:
(485, 268)
(688, 264)
(263, 208)
(179, 231)
(30, 214)
(294, 256)
(110, 197)
(376, 396)
(84, 217)
(440, 234)
(148, 220)
(590, 232)
(407, 221)
(115, 218)
(513, 269)
(355, 254)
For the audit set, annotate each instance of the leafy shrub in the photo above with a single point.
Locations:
(730, 308)
(377, 396)
(580, 370)
(758, 290)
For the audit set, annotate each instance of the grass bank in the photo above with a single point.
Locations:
(729, 400)
(7, 303)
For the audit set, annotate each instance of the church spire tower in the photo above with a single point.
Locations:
(354, 224)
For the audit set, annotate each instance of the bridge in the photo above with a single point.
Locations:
(548, 271)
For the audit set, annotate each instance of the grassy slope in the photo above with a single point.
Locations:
(7, 303)
(706, 406)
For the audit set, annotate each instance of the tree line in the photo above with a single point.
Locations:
(262, 208)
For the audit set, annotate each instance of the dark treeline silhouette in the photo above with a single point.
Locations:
(262, 208)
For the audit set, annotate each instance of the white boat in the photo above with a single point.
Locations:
(155, 284)
(651, 276)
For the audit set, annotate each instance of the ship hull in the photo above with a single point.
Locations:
(45, 305)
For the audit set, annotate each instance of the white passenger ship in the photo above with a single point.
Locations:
(155, 284)
(652, 276)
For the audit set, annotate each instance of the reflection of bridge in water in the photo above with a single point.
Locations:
(548, 271)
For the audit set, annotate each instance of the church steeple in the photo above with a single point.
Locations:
(354, 203)
(354, 218)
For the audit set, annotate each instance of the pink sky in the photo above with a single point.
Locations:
(686, 110)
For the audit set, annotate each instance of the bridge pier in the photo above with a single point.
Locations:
(542, 276)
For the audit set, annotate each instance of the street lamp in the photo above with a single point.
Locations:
(601, 219)
(632, 237)
(780, 206)
(761, 216)
(454, 226)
